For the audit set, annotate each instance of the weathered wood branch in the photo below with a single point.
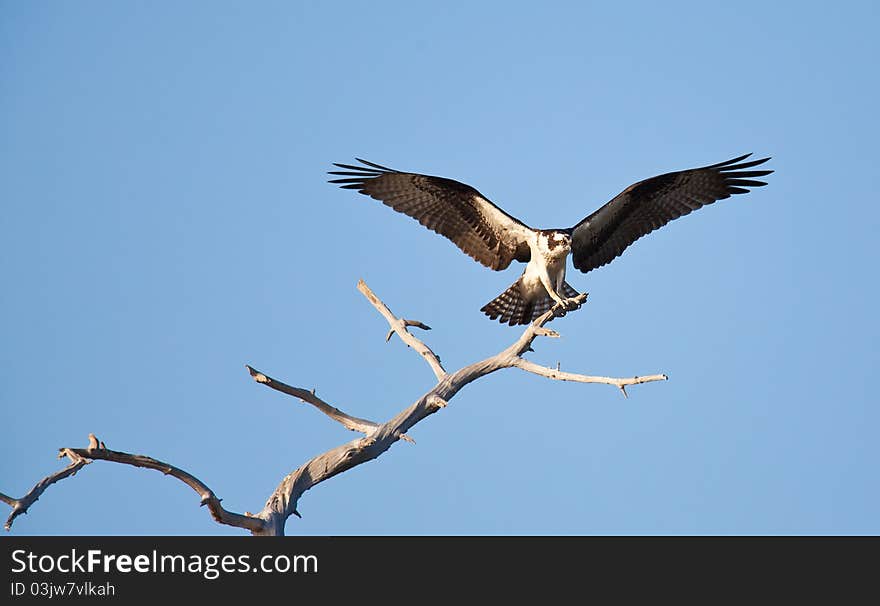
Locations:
(400, 327)
(97, 451)
(20, 506)
(310, 397)
(378, 438)
(559, 375)
(415, 323)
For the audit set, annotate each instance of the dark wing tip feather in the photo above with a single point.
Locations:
(744, 174)
(746, 182)
(350, 180)
(731, 161)
(735, 164)
(352, 173)
(357, 176)
(736, 179)
(384, 169)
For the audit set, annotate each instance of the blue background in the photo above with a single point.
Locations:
(166, 220)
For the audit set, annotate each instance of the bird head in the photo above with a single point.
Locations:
(559, 238)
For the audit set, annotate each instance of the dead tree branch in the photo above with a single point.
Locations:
(20, 506)
(559, 375)
(377, 439)
(309, 397)
(399, 326)
(97, 451)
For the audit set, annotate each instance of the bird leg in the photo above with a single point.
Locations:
(565, 304)
(545, 280)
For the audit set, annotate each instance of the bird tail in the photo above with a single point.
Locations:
(513, 306)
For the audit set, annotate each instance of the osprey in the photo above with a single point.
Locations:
(495, 238)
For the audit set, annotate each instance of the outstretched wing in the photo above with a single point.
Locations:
(644, 206)
(452, 209)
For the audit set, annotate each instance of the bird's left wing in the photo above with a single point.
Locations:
(647, 205)
(452, 209)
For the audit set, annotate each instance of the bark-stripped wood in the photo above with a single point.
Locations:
(377, 439)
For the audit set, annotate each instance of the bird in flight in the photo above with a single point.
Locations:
(495, 238)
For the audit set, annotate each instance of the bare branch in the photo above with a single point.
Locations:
(82, 456)
(559, 375)
(207, 496)
(546, 332)
(20, 506)
(309, 397)
(378, 438)
(415, 323)
(399, 326)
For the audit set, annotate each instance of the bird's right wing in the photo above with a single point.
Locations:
(452, 209)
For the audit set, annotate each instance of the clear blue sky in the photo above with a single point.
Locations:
(166, 220)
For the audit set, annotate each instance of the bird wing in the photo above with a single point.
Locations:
(452, 209)
(647, 205)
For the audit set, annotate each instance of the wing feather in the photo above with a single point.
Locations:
(650, 204)
(450, 208)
